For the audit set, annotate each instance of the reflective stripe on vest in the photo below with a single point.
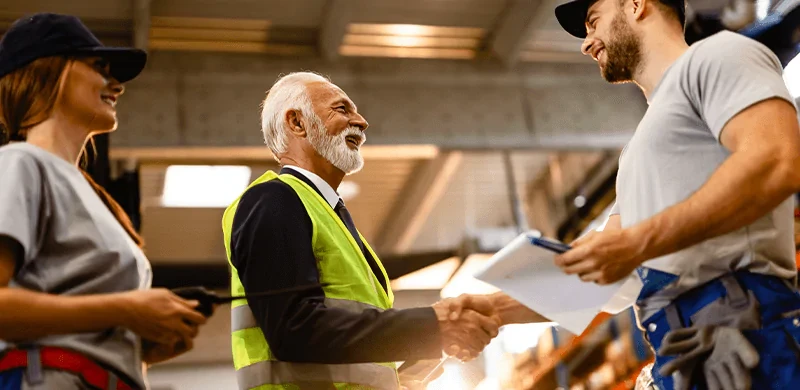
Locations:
(242, 317)
(305, 375)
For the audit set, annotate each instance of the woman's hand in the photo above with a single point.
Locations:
(160, 316)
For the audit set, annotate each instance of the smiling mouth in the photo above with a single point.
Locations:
(597, 57)
(111, 101)
(353, 140)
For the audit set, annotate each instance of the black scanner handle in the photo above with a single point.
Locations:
(208, 299)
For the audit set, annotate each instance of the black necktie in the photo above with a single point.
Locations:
(348, 222)
(344, 215)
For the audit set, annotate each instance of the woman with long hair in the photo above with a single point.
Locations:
(76, 308)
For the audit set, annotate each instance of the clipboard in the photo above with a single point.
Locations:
(525, 270)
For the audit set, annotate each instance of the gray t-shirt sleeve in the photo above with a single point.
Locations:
(21, 200)
(729, 73)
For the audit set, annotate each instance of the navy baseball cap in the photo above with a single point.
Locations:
(572, 15)
(46, 34)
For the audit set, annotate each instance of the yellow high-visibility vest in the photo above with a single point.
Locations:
(349, 283)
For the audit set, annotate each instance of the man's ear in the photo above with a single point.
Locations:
(295, 121)
(639, 6)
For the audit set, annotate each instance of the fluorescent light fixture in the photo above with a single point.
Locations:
(791, 76)
(408, 30)
(463, 282)
(348, 190)
(415, 30)
(432, 277)
(204, 185)
(411, 41)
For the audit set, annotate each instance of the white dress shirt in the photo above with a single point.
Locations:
(327, 191)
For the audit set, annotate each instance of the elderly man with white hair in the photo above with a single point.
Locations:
(291, 229)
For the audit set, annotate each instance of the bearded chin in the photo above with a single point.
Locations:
(617, 73)
(334, 149)
(623, 53)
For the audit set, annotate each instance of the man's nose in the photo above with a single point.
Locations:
(586, 46)
(359, 121)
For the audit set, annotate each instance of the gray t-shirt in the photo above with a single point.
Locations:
(676, 149)
(73, 246)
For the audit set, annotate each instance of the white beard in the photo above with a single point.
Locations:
(334, 148)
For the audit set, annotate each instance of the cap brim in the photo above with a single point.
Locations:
(126, 63)
(572, 17)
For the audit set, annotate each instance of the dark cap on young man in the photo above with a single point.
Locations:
(572, 15)
(45, 35)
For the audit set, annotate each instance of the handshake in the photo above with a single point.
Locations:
(467, 324)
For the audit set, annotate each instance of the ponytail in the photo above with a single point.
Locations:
(116, 209)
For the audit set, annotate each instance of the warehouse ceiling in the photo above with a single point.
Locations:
(511, 30)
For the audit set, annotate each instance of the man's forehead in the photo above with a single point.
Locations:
(328, 91)
(595, 6)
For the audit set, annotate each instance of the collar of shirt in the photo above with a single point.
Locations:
(327, 191)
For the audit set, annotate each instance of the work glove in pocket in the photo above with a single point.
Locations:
(724, 353)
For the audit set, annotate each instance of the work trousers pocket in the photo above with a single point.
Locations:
(778, 348)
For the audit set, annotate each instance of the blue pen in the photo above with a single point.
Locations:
(551, 245)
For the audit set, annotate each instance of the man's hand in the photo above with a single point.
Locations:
(482, 304)
(603, 257)
(507, 309)
(467, 335)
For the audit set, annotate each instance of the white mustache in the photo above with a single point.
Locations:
(355, 132)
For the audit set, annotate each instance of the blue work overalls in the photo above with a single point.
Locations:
(777, 341)
(11, 380)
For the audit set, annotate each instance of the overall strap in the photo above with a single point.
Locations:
(34, 369)
(736, 294)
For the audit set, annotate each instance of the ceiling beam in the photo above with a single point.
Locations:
(334, 27)
(518, 26)
(141, 24)
(424, 188)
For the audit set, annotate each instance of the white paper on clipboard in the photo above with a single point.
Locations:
(528, 274)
